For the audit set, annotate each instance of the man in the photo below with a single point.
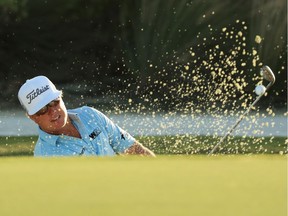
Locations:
(81, 131)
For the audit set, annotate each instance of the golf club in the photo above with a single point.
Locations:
(268, 75)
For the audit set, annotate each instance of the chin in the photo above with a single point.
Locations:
(61, 122)
(58, 124)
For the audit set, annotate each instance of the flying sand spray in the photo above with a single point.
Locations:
(260, 90)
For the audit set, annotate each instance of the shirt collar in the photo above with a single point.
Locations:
(74, 116)
(49, 138)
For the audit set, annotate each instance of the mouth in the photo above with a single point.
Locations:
(54, 119)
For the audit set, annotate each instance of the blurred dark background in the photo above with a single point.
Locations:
(143, 53)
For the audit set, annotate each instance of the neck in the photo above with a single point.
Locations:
(70, 130)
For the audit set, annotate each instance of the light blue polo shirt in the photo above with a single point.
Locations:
(99, 136)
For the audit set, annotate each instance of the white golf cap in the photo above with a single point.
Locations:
(36, 93)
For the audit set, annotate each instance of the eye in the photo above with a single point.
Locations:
(54, 103)
(42, 111)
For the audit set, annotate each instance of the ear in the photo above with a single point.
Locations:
(32, 117)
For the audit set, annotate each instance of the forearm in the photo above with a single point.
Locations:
(138, 149)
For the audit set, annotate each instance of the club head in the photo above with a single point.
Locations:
(267, 74)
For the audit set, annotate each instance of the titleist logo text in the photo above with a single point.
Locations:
(36, 92)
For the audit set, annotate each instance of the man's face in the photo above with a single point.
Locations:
(54, 119)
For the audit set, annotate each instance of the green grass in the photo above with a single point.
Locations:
(23, 146)
(17, 146)
(167, 185)
(203, 144)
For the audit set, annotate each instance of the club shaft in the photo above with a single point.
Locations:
(236, 124)
(269, 76)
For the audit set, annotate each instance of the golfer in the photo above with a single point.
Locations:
(81, 131)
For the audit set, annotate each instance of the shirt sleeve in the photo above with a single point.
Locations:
(119, 139)
(37, 150)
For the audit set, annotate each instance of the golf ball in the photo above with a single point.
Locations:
(260, 90)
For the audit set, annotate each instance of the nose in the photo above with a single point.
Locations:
(52, 109)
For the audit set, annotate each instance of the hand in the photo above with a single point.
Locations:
(138, 149)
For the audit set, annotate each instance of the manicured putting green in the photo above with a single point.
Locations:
(166, 185)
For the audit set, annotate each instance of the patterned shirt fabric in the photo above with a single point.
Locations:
(99, 136)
